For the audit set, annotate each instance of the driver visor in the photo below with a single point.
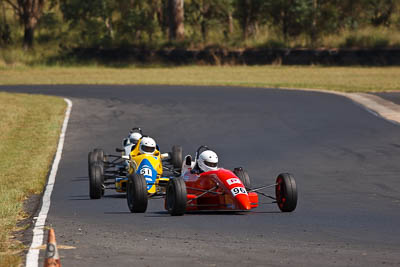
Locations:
(148, 149)
(211, 164)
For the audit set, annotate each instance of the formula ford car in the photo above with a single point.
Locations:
(223, 189)
(108, 171)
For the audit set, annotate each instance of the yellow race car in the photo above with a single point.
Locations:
(145, 166)
(145, 172)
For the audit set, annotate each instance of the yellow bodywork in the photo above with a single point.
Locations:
(136, 159)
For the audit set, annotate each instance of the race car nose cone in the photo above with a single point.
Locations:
(243, 201)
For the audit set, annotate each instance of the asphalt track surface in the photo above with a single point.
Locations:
(345, 161)
(391, 96)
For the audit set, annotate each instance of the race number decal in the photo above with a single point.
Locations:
(233, 181)
(146, 172)
(238, 190)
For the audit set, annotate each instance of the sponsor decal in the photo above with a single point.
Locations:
(232, 181)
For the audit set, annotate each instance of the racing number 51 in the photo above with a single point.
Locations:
(146, 172)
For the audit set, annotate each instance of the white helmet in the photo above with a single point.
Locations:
(208, 161)
(134, 137)
(147, 145)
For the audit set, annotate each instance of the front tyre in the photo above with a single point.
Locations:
(90, 163)
(286, 192)
(98, 155)
(96, 182)
(176, 198)
(176, 157)
(136, 193)
(243, 176)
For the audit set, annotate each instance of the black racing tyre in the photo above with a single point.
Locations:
(101, 170)
(90, 163)
(286, 192)
(176, 157)
(92, 158)
(176, 198)
(136, 193)
(98, 155)
(96, 182)
(243, 176)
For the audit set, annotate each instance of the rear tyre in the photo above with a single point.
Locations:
(136, 193)
(176, 157)
(176, 198)
(286, 192)
(243, 176)
(96, 182)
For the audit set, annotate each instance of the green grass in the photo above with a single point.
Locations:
(368, 37)
(349, 79)
(29, 131)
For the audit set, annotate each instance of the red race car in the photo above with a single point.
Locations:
(218, 189)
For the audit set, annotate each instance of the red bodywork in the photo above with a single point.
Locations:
(217, 190)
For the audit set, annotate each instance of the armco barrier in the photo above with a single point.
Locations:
(219, 56)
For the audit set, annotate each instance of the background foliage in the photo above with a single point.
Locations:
(68, 24)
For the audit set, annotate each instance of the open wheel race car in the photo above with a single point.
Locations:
(145, 175)
(217, 190)
(123, 172)
(223, 190)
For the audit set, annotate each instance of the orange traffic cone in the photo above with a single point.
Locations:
(52, 258)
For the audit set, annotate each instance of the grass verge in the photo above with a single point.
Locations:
(348, 79)
(29, 131)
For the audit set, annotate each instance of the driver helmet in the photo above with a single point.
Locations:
(208, 161)
(134, 137)
(147, 145)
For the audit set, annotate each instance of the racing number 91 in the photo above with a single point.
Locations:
(238, 190)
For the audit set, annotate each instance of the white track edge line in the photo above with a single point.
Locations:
(32, 258)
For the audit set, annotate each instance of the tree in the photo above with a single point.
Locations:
(250, 14)
(176, 20)
(351, 12)
(205, 13)
(29, 13)
(325, 18)
(139, 18)
(5, 32)
(93, 19)
(380, 11)
(293, 17)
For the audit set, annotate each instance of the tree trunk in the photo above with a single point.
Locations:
(204, 30)
(205, 9)
(245, 20)
(108, 23)
(230, 23)
(29, 11)
(176, 20)
(285, 28)
(313, 33)
(30, 23)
